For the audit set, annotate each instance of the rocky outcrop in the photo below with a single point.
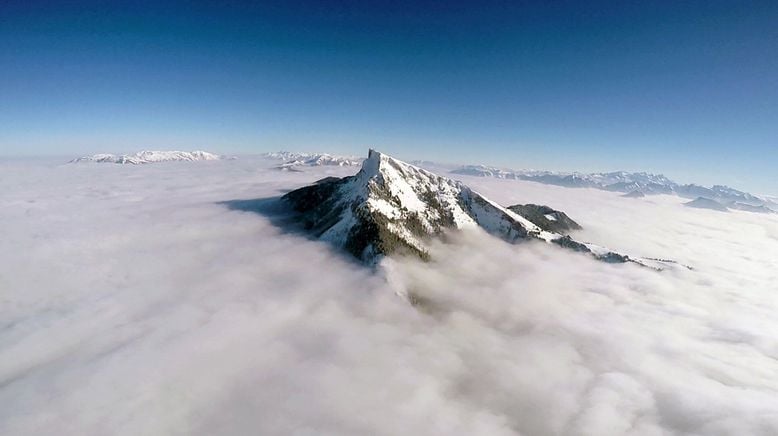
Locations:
(546, 218)
(706, 203)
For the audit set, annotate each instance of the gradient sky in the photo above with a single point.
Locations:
(689, 89)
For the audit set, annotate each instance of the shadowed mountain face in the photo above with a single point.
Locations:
(391, 207)
(546, 218)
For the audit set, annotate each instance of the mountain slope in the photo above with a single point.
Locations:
(392, 207)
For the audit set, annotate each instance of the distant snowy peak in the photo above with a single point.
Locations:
(392, 207)
(147, 156)
(292, 159)
(623, 181)
(500, 173)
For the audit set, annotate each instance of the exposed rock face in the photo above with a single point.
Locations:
(706, 203)
(546, 218)
(392, 207)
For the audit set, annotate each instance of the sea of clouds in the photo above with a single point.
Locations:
(134, 301)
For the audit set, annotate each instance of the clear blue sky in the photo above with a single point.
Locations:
(687, 88)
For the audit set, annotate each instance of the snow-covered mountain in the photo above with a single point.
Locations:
(622, 181)
(292, 159)
(148, 156)
(390, 207)
(500, 173)
(617, 180)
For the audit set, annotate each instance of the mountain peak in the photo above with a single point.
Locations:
(378, 162)
(372, 164)
(390, 206)
(373, 154)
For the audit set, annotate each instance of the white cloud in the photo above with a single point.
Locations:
(134, 303)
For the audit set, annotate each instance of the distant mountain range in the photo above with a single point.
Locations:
(293, 160)
(148, 156)
(391, 207)
(633, 184)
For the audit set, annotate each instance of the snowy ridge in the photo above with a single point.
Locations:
(391, 206)
(292, 159)
(148, 156)
(623, 181)
(574, 179)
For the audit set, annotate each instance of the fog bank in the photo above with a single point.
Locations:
(135, 302)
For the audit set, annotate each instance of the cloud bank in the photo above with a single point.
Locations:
(135, 302)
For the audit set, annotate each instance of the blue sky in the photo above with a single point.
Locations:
(689, 89)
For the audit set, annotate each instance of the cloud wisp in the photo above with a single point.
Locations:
(135, 303)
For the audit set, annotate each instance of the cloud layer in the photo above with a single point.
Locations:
(135, 303)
